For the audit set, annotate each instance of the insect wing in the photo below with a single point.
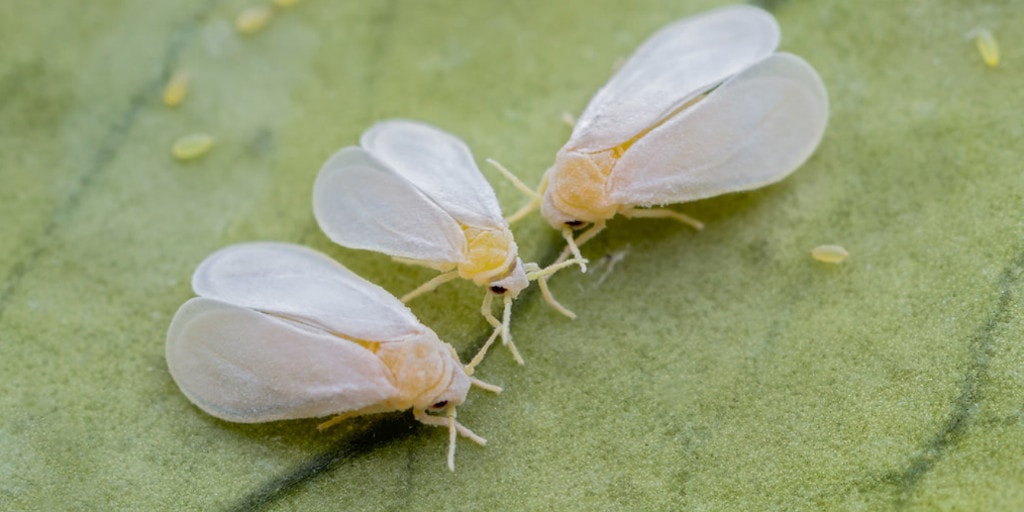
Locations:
(304, 285)
(244, 366)
(675, 65)
(440, 165)
(361, 203)
(753, 130)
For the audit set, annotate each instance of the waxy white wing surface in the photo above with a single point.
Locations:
(751, 131)
(440, 165)
(244, 366)
(304, 285)
(360, 202)
(677, 63)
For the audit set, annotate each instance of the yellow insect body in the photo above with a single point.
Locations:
(578, 189)
(422, 368)
(490, 255)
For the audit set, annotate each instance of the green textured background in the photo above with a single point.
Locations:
(716, 370)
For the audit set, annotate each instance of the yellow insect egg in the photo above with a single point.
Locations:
(176, 88)
(830, 253)
(285, 3)
(191, 147)
(253, 19)
(987, 46)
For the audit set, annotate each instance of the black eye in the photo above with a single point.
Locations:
(498, 290)
(440, 405)
(574, 223)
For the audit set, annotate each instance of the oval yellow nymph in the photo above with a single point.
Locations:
(193, 146)
(987, 46)
(176, 88)
(253, 19)
(830, 253)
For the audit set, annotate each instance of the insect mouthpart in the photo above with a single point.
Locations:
(574, 223)
(498, 290)
(440, 405)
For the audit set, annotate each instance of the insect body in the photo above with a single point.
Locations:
(280, 331)
(414, 192)
(702, 108)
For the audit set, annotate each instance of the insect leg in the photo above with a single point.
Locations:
(334, 421)
(573, 248)
(485, 310)
(453, 427)
(550, 299)
(430, 285)
(485, 385)
(533, 275)
(541, 275)
(483, 351)
(574, 244)
(374, 409)
(506, 334)
(662, 213)
(501, 327)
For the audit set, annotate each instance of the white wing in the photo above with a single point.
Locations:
(753, 130)
(677, 63)
(361, 203)
(440, 165)
(244, 366)
(304, 285)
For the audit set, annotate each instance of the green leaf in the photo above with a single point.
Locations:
(723, 369)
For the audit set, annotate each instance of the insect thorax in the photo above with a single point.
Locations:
(425, 371)
(490, 253)
(577, 189)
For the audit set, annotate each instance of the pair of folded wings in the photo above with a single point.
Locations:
(273, 335)
(763, 115)
(405, 192)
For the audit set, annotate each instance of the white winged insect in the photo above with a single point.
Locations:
(414, 192)
(280, 331)
(704, 107)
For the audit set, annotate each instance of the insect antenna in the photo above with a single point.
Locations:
(534, 196)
